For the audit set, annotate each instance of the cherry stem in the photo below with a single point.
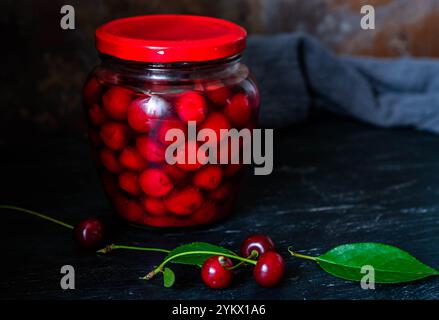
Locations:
(254, 254)
(302, 256)
(160, 267)
(112, 247)
(43, 216)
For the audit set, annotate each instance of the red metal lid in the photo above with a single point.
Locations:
(170, 38)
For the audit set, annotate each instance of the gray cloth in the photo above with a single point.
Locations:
(295, 72)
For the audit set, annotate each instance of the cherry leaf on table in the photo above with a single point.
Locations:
(168, 278)
(391, 264)
(196, 259)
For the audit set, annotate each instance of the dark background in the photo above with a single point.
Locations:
(44, 67)
(335, 180)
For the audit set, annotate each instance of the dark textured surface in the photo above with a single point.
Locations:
(334, 182)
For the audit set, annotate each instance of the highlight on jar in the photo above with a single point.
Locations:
(173, 123)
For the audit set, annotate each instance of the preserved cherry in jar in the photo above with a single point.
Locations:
(157, 73)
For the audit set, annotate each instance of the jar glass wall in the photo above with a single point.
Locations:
(130, 106)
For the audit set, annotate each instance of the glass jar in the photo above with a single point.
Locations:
(157, 73)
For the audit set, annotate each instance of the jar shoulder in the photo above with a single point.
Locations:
(165, 81)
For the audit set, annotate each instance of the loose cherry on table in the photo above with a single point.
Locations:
(89, 233)
(260, 243)
(269, 269)
(216, 272)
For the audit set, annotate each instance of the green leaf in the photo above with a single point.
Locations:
(196, 259)
(391, 265)
(168, 278)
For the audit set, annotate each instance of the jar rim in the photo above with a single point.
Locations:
(170, 38)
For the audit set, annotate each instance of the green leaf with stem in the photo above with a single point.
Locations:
(390, 264)
(196, 259)
(196, 254)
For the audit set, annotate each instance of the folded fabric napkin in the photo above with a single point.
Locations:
(295, 72)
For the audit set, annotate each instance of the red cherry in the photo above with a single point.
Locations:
(260, 243)
(116, 101)
(149, 149)
(114, 135)
(89, 233)
(165, 126)
(91, 92)
(128, 209)
(129, 182)
(131, 159)
(269, 269)
(177, 175)
(208, 178)
(217, 93)
(216, 121)
(205, 213)
(96, 115)
(184, 202)
(155, 183)
(144, 112)
(109, 161)
(154, 206)
(215, 272)
(238, 110)
(221, 193)
(191, 106)
(182, 156)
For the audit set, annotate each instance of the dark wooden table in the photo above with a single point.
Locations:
(335, 181)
